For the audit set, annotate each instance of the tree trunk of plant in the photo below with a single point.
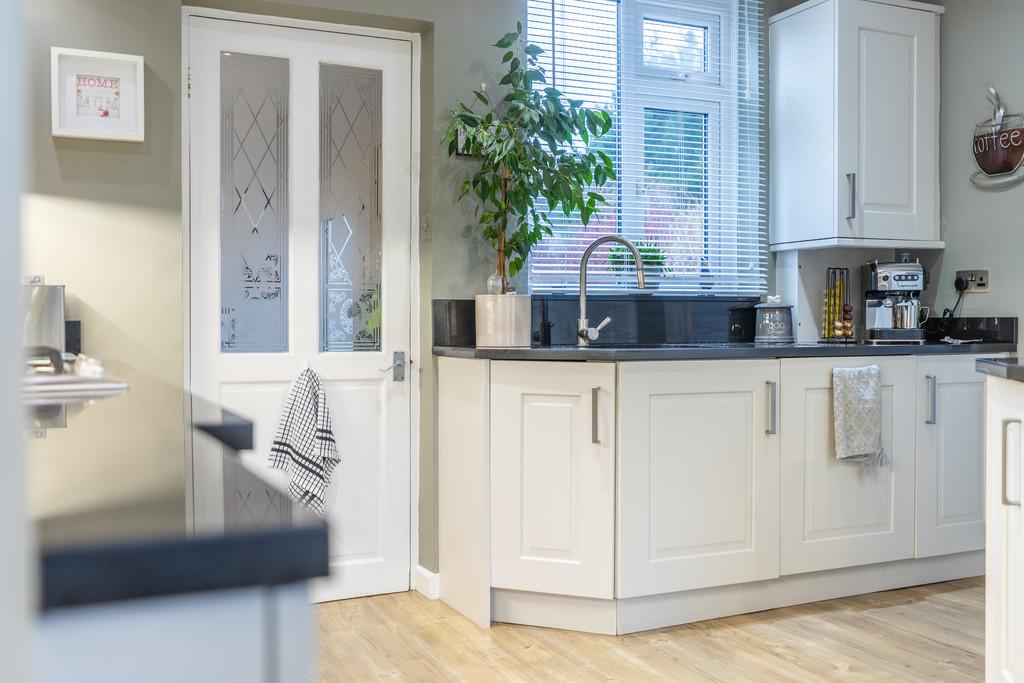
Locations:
(502, 270)
(501, 262)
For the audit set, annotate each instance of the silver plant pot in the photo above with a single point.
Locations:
(502, 320)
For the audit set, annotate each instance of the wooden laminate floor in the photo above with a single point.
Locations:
(926, 633)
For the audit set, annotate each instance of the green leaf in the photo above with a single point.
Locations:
(534, 50)
(508, 55)
(506, 40)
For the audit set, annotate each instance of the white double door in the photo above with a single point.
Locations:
(300, 231)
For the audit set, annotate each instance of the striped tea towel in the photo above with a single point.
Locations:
(857, 412)
(304, 445)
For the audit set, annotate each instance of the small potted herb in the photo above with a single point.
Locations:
(619, 258)
(532, 147)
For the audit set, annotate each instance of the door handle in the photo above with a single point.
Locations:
(933, 415)
(1006, 498)
(595, 394)
(851, 179)
(773, 407)
(397, 367)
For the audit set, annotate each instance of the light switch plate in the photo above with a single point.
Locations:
(977, 280)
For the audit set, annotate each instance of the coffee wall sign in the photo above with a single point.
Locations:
(999, 147)
(97, 95)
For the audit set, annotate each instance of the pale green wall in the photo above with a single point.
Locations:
(980, 46)
(104, 219)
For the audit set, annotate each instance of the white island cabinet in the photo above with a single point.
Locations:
(621, 496)
(1004, 582)
(698, 479)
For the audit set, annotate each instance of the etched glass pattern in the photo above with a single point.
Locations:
(254, 204)
(350, 211)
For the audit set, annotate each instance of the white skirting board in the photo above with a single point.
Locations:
(671, 609)
(426, 582)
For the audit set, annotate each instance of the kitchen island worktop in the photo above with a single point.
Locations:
(121, 548)
(1004, 368)
(718, 351)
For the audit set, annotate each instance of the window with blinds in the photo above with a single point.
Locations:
(684, 82)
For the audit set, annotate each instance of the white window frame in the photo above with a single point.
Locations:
(715, 96)
(728, 227)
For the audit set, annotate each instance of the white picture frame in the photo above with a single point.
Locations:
(97, 95)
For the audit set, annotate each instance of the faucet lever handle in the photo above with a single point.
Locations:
(592, 333)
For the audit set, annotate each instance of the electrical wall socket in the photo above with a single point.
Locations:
(977, 280)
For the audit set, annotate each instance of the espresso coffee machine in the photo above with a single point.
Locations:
(892, 308)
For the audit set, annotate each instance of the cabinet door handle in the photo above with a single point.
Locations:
(773, 407)
(595, 393)
(851, 178)
(933, 387)
(1006, 425)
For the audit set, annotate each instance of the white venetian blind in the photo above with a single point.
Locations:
(684, 82)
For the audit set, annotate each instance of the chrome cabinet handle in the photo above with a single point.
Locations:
(851, 178)
(595, 393)
(773, 407)
(1006, 499)
(933, 415)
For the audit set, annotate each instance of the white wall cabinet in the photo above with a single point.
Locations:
(698, 475)
(950, 456)
(1004, 556)
(838, 514)
(552, 447)
(854, 100)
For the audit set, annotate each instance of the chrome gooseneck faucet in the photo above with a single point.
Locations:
(584, 332)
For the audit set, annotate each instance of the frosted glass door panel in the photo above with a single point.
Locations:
(254, 203)
(350, 211)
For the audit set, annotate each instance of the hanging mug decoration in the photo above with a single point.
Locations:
(999, 147)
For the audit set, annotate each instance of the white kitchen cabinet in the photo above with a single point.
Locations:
(854, 100)
(840, 514)
(552, 446)
(698, 475)
(950, 456)
(1004, 556)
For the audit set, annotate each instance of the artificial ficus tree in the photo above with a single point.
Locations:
(533, 147)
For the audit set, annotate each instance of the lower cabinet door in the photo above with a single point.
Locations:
(950, 456)
(698, 475)
(553, 477)
(840, 514)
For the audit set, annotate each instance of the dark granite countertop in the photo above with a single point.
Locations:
(1006, 368)
(722, 351)
(118, 548)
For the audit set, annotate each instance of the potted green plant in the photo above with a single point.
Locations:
(532, 145)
